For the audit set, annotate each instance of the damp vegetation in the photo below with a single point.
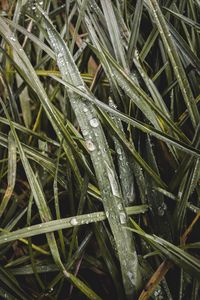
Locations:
(99, 149)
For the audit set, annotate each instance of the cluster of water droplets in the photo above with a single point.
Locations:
(161, 209)
(13, 38)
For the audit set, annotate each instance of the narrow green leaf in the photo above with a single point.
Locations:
(12, 167)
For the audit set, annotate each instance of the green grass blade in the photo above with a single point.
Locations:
(12, 166)
(107, 177)
(64, 224)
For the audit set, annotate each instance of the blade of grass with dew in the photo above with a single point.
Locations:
(106, 175)
(64, 223)
(125, 172)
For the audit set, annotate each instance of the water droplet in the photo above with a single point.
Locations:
(85, 132)
(85, 109)
(136, 54)
(119, 151)
(90, 146)
(107, 214)
(5, 239)
(60, 55)
(122, 218)
(131, 277)
(73, 222)
(120, 207)
(113, 182)
(94, 122)
(180, 195)
(160, 211)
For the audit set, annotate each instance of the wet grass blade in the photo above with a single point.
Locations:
(70, 222)
(106, 175)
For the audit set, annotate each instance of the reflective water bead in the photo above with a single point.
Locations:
(73, 222)
(90, 146)
(85, 109)
(122, 218)
(94, 122)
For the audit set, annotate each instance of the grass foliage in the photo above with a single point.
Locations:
(99, 149)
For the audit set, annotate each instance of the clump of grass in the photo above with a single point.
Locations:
(99, 157)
